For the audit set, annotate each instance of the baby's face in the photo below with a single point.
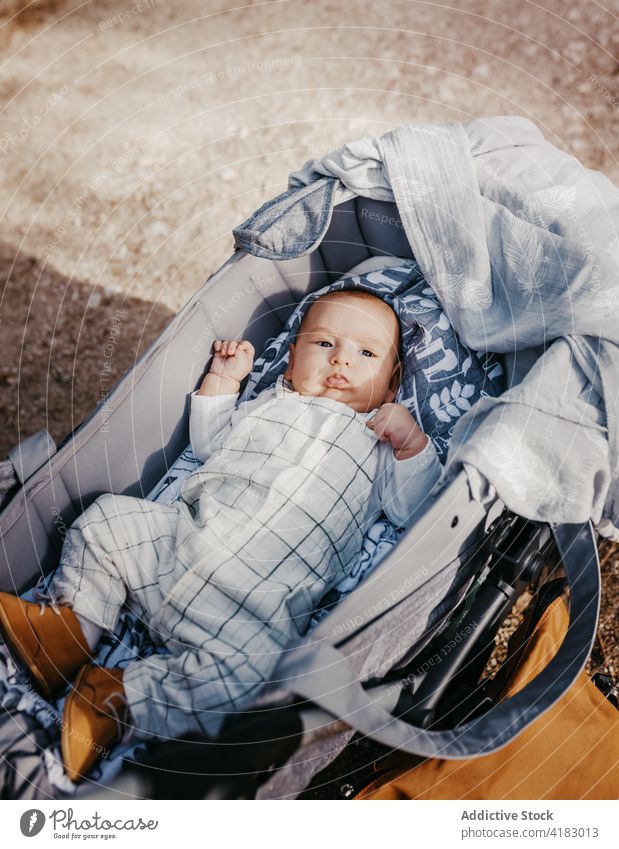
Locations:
(346, 349)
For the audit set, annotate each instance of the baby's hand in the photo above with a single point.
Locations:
(232, 360)
(393, 423)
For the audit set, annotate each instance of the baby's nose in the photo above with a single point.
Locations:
(340, 357)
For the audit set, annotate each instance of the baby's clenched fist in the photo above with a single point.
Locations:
(232, 362)
(393, 423)
(232, 359)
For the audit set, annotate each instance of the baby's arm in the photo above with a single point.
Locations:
(213, 403)
(410, 466)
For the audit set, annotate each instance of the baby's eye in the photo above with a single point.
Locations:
(323, 343)
(366, 353)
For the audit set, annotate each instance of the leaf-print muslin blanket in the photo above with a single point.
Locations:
(520, 243)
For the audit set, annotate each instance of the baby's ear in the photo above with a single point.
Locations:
(288, 372)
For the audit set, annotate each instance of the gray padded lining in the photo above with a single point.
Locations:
(304, 273)
(381, 228)
(343, 245)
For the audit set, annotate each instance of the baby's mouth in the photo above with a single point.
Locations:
(337, 380)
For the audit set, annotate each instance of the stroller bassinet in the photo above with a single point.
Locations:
(370, 635)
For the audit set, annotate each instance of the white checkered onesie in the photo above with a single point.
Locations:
(227, 576)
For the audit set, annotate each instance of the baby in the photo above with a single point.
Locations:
(228, 576)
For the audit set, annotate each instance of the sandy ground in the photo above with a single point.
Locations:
(135, 136)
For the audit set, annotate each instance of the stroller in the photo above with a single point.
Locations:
(366, 667)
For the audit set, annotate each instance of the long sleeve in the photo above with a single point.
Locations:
(403, 485)
(209, 417)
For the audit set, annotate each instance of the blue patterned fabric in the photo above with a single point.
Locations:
(442, 378)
